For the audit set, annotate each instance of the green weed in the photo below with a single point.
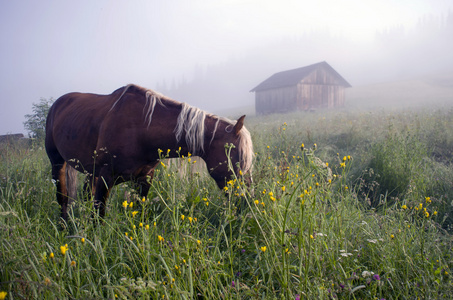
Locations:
(342, 205)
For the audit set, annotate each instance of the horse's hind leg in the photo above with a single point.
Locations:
(104, 184)
(59, 176)
(89, 187)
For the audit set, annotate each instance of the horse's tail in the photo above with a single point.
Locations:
(71, 182)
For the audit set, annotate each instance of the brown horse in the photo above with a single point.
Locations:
(117, 138)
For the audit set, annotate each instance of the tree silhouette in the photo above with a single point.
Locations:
(35, 123)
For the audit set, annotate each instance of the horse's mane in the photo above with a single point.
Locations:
(191, 120)
(152, 97)
(245, 148)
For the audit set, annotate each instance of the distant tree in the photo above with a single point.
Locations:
(35, 123)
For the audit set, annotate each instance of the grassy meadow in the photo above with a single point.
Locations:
(348, 204)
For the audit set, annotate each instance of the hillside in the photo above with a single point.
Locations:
(433, 89)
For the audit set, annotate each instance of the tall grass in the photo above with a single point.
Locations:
(357, 211)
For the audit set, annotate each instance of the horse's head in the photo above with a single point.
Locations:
(231, 150)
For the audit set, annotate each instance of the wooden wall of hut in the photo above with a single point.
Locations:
(319, 96)
(276, 100)
(321, 88)
(300, 97)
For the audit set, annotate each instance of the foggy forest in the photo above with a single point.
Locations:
(395, 54)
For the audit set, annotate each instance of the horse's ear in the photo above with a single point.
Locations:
(239, 124)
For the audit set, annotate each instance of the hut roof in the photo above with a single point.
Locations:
(293, 77)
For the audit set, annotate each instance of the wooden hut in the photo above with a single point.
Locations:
(9, 138)
(306, 88)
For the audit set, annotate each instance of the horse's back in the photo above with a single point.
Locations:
(73, 124)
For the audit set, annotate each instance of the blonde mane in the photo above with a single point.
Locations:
(245, 148)
(191, 121)
(191, 124)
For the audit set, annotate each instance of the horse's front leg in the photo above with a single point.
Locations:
(144, 178)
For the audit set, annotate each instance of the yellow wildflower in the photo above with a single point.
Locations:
(143, 199)
(140, 224)
(182, 217)
(3, 295)
(428, 199)
(160, 238)
(147, 227)
(404, 206)
(435, 213)
(283, 188)
(82, 240)
(131, 204)
(263, 248)
(198, 242)
(63, 249)
(190, 219)
(392, 236)
(73, 263)
(51, 255)
(257, 202)
(125, 204)
(426, 214)
(134, 213)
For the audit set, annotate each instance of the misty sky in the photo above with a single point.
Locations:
(49, 48)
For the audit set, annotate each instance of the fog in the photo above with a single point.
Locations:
(210, 53)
